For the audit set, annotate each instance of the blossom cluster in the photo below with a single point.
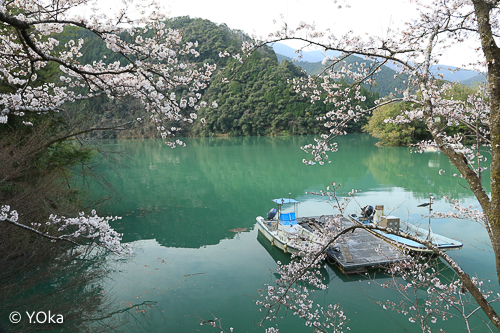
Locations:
(90, 227)
(302, 277)
(429, 293)
(294, 291)
(154, 62)
(458, 211)
(6, 214)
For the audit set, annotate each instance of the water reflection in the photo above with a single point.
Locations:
(192, 197)
(181, 206)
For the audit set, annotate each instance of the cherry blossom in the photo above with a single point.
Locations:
(437, 25)
(91, 227)
(153, 69)
(428, 294)
(442, 297)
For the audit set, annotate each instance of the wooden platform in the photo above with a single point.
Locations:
(359, 251)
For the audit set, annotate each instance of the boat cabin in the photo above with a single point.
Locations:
(286, 218)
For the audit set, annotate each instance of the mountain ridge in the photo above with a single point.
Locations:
(310, 61)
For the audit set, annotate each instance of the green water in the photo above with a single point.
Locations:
(179, 206)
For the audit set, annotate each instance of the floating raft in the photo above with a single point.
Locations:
(359, 251)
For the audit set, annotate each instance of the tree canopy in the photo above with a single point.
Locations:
(415, 48)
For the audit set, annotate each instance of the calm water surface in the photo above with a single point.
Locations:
(179, 206)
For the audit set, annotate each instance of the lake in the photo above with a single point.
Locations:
(180, 206)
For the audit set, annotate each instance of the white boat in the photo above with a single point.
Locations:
(376, 217)
(281, 228)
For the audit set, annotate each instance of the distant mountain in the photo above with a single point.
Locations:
(311, 63)
(453, 74)
(385, 79)
(311, 68)
(306, 56)
(475, 80)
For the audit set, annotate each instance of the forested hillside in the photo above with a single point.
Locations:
(386, 80)
(386, 83)
(258, 100)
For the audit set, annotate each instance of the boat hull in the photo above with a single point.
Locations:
(276, 238)
(442, 242)
(282, 235)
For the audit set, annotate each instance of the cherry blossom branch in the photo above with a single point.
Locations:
(467, 281)
(152, 71)
(354, 51)
(302, 269)
(63, 238)
(440, 294)
(90, 227)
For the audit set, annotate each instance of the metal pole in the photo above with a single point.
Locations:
(430, 210)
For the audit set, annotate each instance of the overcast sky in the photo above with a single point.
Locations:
(256, 17)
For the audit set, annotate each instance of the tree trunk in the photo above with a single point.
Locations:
(492, 55)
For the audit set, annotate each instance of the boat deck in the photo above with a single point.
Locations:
(359, 251)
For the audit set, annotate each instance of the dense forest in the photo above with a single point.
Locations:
(258, 100)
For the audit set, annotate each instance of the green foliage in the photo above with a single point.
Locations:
(258, 100)
(386, 83)
(394, 134)
(403, 135)
(211, 38)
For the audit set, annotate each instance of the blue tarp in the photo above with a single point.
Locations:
(288, 218)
